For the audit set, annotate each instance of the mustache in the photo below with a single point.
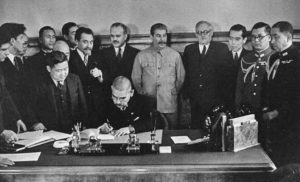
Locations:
(115, 41)
(162, 42)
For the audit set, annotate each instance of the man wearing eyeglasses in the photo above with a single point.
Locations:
(283, 95)
(205, 64)
(253, 69)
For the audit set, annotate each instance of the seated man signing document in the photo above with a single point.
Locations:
(126, 108)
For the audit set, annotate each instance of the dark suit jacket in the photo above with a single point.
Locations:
(17, 84)
(230, 80)
(8, 111)
(136, 114)
(45, 106)
(36, 66)
(96, 93)
(116, 68)
(204, 75)
(283, 94)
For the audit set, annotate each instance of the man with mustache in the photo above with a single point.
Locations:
(205, 64)
(37, 62)
(158, 73)
(120, 56)
(92, 74)
(126, 108)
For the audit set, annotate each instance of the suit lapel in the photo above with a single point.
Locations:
(50, 92)
(70, 86)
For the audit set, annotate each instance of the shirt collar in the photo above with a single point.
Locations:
(201, 47)
(81, 54)
(11, 57)
(238, 52)
(56, 82)
(122, 49)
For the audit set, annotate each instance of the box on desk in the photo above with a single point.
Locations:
(242, 133)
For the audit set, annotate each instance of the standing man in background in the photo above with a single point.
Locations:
(158, 73)
(119, 57)
(15, 75)
(283, 96)
(38, 63)
(68, 31)
(253, 69)
(205, 64)
(237, 40)
(92, 75)
(63, 47)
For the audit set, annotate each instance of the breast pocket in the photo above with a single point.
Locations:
(170, 69)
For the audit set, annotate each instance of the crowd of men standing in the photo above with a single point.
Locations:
(72, 81)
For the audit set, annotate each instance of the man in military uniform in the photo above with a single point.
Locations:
(253, 69)
(283, 95)
(127, 108)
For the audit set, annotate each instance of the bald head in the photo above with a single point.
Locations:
(63, 47)
(121, 83)
(121, 92)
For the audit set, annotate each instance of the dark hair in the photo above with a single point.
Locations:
(262, 25)
(66, 27)
(4, 36)
(82, 30)
(44, 29)
(158, 26)
(14, 29)
(284, 26)
(239, 27)
(118, 24)
(55, 58)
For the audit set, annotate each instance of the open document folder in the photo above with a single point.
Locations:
(35, 138)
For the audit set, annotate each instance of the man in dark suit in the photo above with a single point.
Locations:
(37, 62)
(126, 108)
(91, 73)
(119, 57)
(58, 100)
(15, 75)
(237, 39)
(205, 64)
(9, 115)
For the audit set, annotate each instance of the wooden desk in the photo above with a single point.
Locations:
(184, 164)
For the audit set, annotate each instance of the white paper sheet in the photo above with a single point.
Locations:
(21, 157)
(180, 139)
(30, 134)
(56, 135)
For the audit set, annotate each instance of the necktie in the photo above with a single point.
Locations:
(18, 63)
(203, 50)
(119, 56)
(236, 57)
(59, 85)
(86, 59)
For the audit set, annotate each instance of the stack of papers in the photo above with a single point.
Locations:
(35, 138)
(22, 157)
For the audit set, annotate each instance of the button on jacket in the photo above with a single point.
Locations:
(159, 74)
